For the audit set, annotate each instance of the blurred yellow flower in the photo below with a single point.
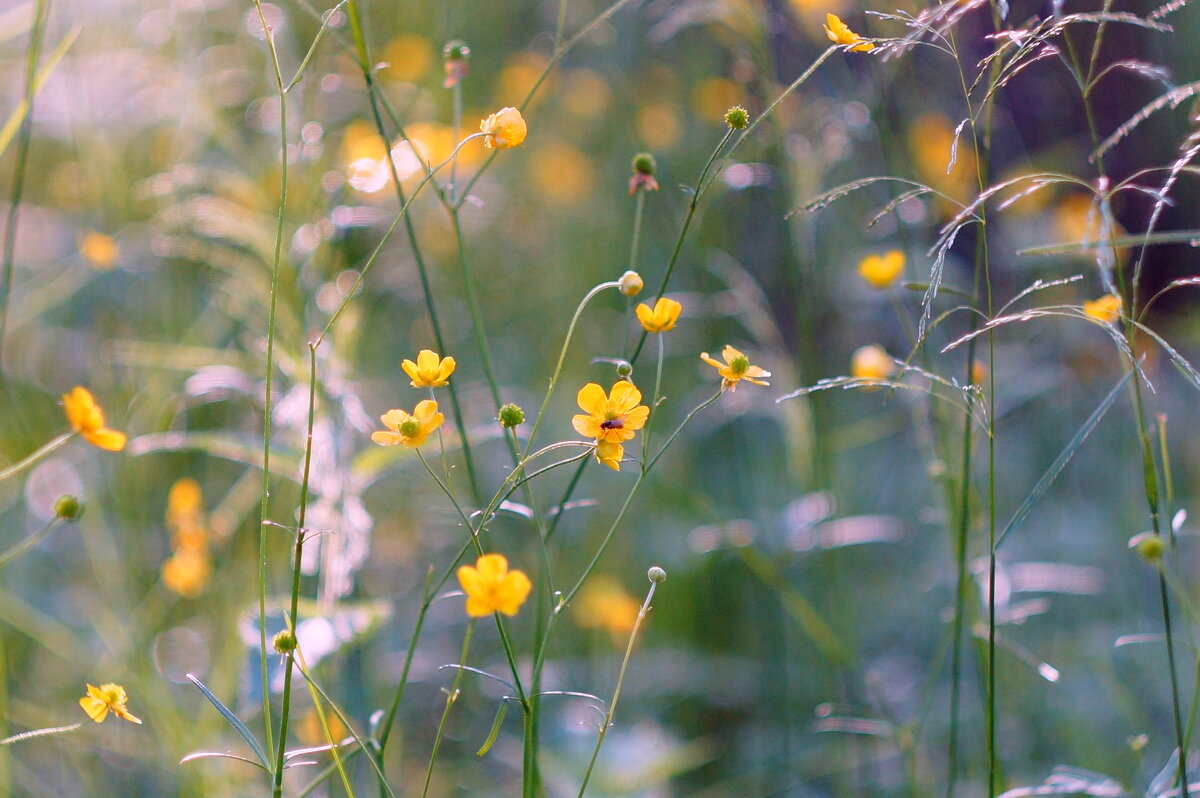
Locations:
(100, 700)
(735, 368)
(882, 271)
(187, 571)
(87, 419)
(658, 126)
(585, 93)
(491, 587)
(520, 74)
(614, 418)
(1076, 219)
(871, 363)
(430, 371)
(184, 502)
(409, 430)
(712, 96)
(931, 140)
(630, 283)
(604, 604)
(839, 33)
(505, 129)
(408, 57)
(310, 732)
(100, 251)
(561, 173)
(1106, 309)
(662, 317)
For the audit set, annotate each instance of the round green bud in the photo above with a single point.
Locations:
(624, 369)
(68, 508)
(656, 574)
(284, 642)
(511, 415)
(737, 117)
(643, 163)
(456, 50)
(1149, 546)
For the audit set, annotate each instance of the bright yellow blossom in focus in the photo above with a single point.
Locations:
(505, 129)
(735, 368)
(662, 317)
(87, 419)
(882, 271)
(491, 587)
(430, 370)
(1106, 309)
(610, 454)
(614, 418)
(409, 430)
(871, 363)
(100, 700)
(839, 33)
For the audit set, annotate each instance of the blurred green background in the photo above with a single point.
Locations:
(142, 268)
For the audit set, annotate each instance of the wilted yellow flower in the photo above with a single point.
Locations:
(99, 250)
(662, 317)
(839, 33)
(1105, 309)
(735, 368)
(99, 700)
(409, 430)
(614, 418)
(610, 454)
(871, 363)
(604, 604)
(505, 129)
(630, 283)
(187, 571)
(882, 271)
(491, 587)
(88, 420)
(430, 371)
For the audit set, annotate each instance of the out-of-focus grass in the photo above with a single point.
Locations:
(142, 270)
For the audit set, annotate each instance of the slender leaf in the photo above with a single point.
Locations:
(495, 732)
(234, 721)
(1063, 458)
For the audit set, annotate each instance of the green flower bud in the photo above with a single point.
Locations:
(284, 642)
(737, 117)
(1149, 546)
(511, 416)
(643, 163)
(656, 574)
(624, 369)
(68, 508)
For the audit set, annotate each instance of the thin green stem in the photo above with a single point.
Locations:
(37, 31)
(264, 490)
(26, 544)
(29, 460)
(451, 698)
(654, 402)
(612, 704)
(297, 558)
(477, 328)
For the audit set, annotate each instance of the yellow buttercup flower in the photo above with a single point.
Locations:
(839, 33)
(99, 250)
(662, 317)
(430, 371)
(87, 419)
(491, 587)
(409, 430)
(735, 368)
(614, 418)
(604, 604)
(505, 129)
(871, 363)
(100, 700)
(1106, 309)
(882, 271)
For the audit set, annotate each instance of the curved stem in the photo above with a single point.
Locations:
(451, 698)
(29, 460)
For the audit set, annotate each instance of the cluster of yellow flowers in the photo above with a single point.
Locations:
(188, 569)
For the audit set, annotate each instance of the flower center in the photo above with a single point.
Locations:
(410, 428)
(740, 364)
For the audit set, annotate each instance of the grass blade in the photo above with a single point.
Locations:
(235, 722)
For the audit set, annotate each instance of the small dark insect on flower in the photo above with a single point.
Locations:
(613, 423)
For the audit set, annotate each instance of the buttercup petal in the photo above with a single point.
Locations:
(592, 400)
